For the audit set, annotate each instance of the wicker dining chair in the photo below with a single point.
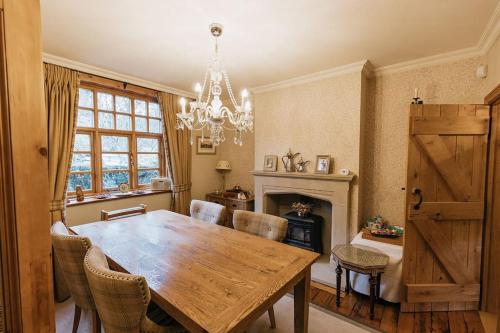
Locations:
(70, 251)
(262, 225)
(208, 211)
(122, 299)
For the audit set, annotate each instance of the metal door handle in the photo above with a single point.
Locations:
(417, 191)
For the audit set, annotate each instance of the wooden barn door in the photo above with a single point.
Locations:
(445, 207)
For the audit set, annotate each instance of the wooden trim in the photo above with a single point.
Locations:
(117, 86)
(441, 246)
(27, 119)
(444, 211)
(462, 125)
(493, 97)
(446, 292)
(491, 269)
(11, 301)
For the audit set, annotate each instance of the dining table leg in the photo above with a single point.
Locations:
(301, 302)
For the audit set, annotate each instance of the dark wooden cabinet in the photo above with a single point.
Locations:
(231, 204)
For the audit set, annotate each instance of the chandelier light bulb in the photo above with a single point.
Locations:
(248, 106)
(244, 93)
(183, 101)
(197, 87)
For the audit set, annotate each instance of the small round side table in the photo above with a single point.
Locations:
(362, 260)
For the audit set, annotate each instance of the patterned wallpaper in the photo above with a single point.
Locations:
(387, 126)
(316, 118)
(322, 117)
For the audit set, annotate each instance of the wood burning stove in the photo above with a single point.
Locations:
(304, 232)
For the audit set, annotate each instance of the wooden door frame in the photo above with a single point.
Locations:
(492, 99)
(26, 265)
(9, 265)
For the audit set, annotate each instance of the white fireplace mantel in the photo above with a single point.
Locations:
(331, 188)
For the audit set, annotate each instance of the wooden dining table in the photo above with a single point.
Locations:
(208, 277)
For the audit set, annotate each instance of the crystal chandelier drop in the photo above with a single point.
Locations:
(207, 112)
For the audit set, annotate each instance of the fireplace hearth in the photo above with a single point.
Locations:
(304, 232)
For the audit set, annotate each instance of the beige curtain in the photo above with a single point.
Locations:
(61, 91)
(178, 154)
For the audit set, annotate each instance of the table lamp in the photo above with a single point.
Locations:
(223, 167)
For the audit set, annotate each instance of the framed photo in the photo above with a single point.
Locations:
(205, 146)
(270, 163)
(322, 164)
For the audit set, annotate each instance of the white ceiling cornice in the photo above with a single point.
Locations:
(326, 74)
(99, 71)
(488, 38)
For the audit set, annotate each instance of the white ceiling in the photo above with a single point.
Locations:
(168, 42)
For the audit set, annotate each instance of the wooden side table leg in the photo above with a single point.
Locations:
(379, 276)
(347, 281)
(373, 282)
(338, 270)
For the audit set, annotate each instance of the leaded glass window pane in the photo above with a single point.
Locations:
(106, 120)
(104, 101)
(85, 118)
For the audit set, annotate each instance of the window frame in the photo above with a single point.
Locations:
(96, 133)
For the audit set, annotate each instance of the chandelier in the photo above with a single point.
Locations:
(208, 113)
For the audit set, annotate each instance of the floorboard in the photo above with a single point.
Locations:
(355, 307)
(388, 318)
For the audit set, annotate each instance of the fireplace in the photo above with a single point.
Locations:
(276, 191)
(304, 232)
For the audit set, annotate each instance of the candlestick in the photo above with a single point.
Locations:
(416, 93)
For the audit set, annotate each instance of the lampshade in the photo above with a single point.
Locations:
(223, 165)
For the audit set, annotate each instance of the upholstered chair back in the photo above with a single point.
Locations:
(121, 299)
(70, 252)
(208, 211)
(263, 225)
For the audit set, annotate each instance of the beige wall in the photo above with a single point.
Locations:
(204, 178)
(315, 118)
(493, 61)
(91, 212)
(241, 159)
(387, 127)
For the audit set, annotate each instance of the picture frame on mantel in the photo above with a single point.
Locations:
(322, 164)
(270, 163)
(205, 146)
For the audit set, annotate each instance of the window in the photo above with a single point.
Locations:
(118, 140)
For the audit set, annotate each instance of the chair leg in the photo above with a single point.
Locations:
(76, 318)
(96, 322)
(271, 317)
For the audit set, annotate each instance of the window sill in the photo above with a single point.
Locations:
(92, 199)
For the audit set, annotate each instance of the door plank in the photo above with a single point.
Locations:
(411, 234)
(460, 229)
(444, 194)
(446, 292)
(441, 246)
(466, 125)
(445, 164)
(448, 211)
(428, 185)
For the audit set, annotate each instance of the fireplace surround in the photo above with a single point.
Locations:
(330, 188)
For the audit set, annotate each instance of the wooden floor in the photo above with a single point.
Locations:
(387, 318)
(353, 306)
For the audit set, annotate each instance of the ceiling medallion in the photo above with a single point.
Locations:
(207, 112)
